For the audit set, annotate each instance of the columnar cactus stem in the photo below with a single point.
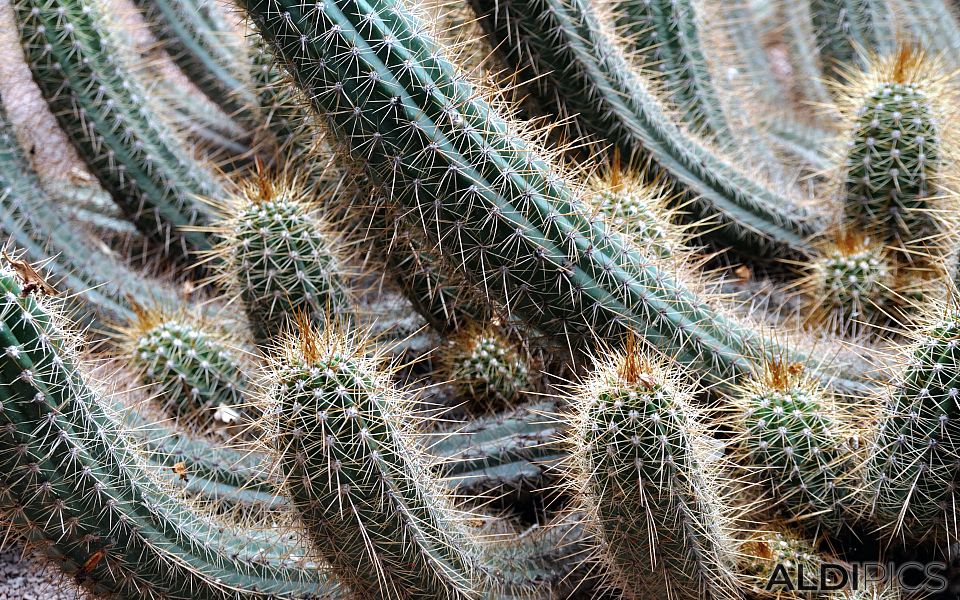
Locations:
(35, 222)
(849, 30)
(106, 113)
(207, 55)
(667, 36)
(642, 459)
(895, 185)
(363, 485)
(281, 259)
(500, 211)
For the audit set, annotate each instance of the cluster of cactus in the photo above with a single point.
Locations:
(448, 303)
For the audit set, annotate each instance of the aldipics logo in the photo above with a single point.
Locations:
(926, 578)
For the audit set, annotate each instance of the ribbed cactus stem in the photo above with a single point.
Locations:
(913, 459)
(281, 259)
(38, 224)
(207, 49)
(74, 485)
(799, 445)
(667, 36)
(849, 30)
(578, 63)
(361, 484)
(893, 183)
(652, 493)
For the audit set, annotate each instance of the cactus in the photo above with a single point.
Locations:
(106, 113)
(75, 262)
(88, 502)
(487, 367)
(566, 276)
(894, 183)
(415, 243)
(280, 258)
(851, 286)
(667, 36)
(197, 373)
(366, 497)
(912, 459)
(639, 211)
(800, 445)
(642, 457)
(361, 483)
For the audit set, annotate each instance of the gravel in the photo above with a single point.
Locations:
(30, 578)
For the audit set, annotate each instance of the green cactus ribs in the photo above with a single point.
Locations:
(913, 458)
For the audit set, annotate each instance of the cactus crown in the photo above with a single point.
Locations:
(849, 286)
(197, 370)
(798, 444)
(485, 364)
(639, 210)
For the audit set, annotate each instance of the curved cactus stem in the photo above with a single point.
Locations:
(106, 114)
(206, 55)
(37, 224)
(849, 30)
(566, 42)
